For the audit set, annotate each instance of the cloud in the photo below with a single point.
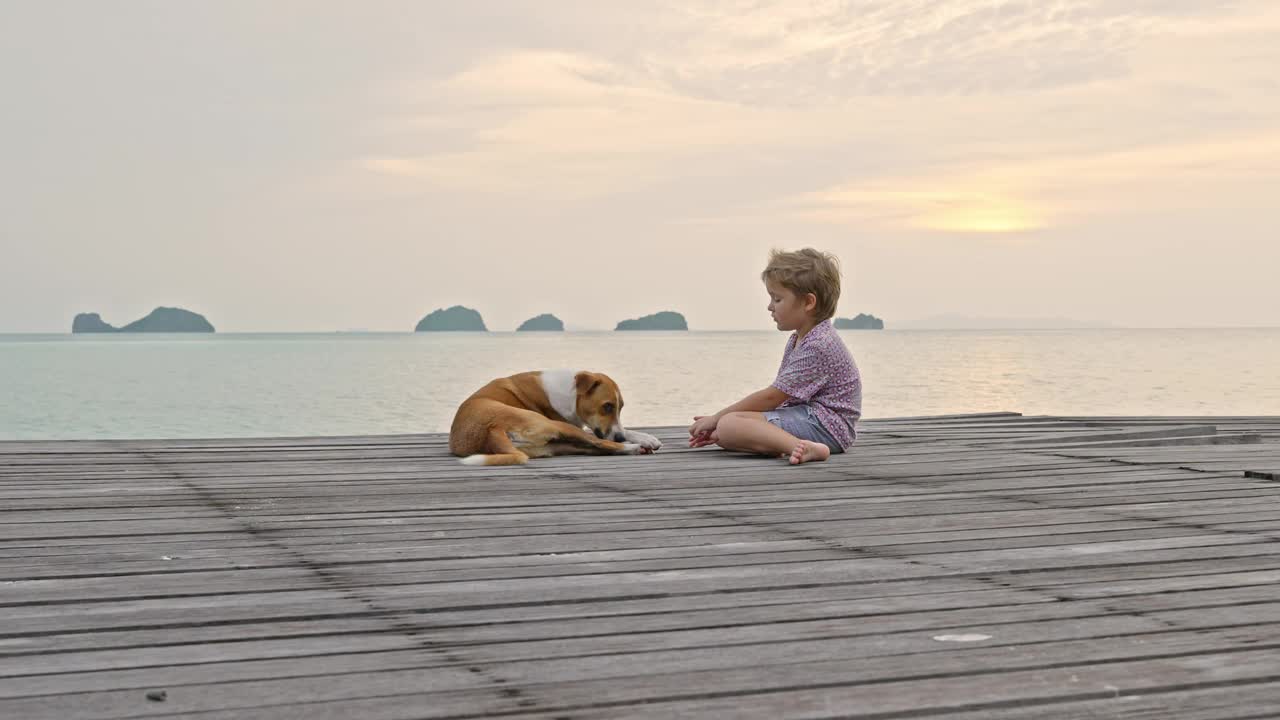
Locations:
(1031, 194)
(829, 51)
(872, 104)
(564, 123)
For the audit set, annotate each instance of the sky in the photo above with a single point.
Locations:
(299, 165)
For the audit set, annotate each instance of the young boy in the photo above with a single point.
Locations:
(812, 408)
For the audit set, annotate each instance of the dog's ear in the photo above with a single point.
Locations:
(586, 382)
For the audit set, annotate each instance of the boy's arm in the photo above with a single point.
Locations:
(758, 401)
(702, 431)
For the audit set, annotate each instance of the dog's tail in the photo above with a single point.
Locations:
(511, 458)
(503, 451)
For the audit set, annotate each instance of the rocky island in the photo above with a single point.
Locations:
(666, 320)
(545, 322)
(455, 318)
(160, 320)
(861, 322)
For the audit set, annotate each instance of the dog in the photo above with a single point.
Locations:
(542, 414)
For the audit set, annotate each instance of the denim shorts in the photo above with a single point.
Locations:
(800, 421)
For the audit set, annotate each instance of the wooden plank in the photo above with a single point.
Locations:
(375, 577)
(796, 691)
(421, 686)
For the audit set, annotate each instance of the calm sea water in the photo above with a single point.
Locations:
(224, 385)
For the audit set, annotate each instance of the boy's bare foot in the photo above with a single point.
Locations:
(809, 451)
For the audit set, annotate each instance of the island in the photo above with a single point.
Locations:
(160, 320)
(546, 322)
(453, 319)
(665, 320)
(90, 323)
(861, 322)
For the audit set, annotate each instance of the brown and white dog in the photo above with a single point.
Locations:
(541, 414)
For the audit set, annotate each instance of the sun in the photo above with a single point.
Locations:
(966, 212)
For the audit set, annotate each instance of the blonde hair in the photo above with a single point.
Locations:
(807, 271)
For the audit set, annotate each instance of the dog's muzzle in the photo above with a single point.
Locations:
(615, 436)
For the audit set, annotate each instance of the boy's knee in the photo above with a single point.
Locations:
(727, 427)
(732, 425)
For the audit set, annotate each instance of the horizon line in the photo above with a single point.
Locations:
(361, 331)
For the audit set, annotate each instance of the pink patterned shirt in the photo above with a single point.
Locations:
(820, 372)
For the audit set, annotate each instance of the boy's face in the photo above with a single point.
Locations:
(789, 311)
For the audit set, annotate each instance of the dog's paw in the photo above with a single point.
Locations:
(644, 440)
(630, 448)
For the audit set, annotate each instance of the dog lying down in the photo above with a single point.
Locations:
(542, 414)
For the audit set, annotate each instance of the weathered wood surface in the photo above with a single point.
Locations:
(982, 566)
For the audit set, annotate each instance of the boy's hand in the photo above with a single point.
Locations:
(704, 439)
(703, 424)
(702, 430)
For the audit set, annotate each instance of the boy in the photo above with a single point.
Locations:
(812, 408)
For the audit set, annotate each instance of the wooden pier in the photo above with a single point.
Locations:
(980, 567)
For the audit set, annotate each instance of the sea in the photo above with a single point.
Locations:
(57, 387)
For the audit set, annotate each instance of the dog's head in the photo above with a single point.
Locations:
(599, 405)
